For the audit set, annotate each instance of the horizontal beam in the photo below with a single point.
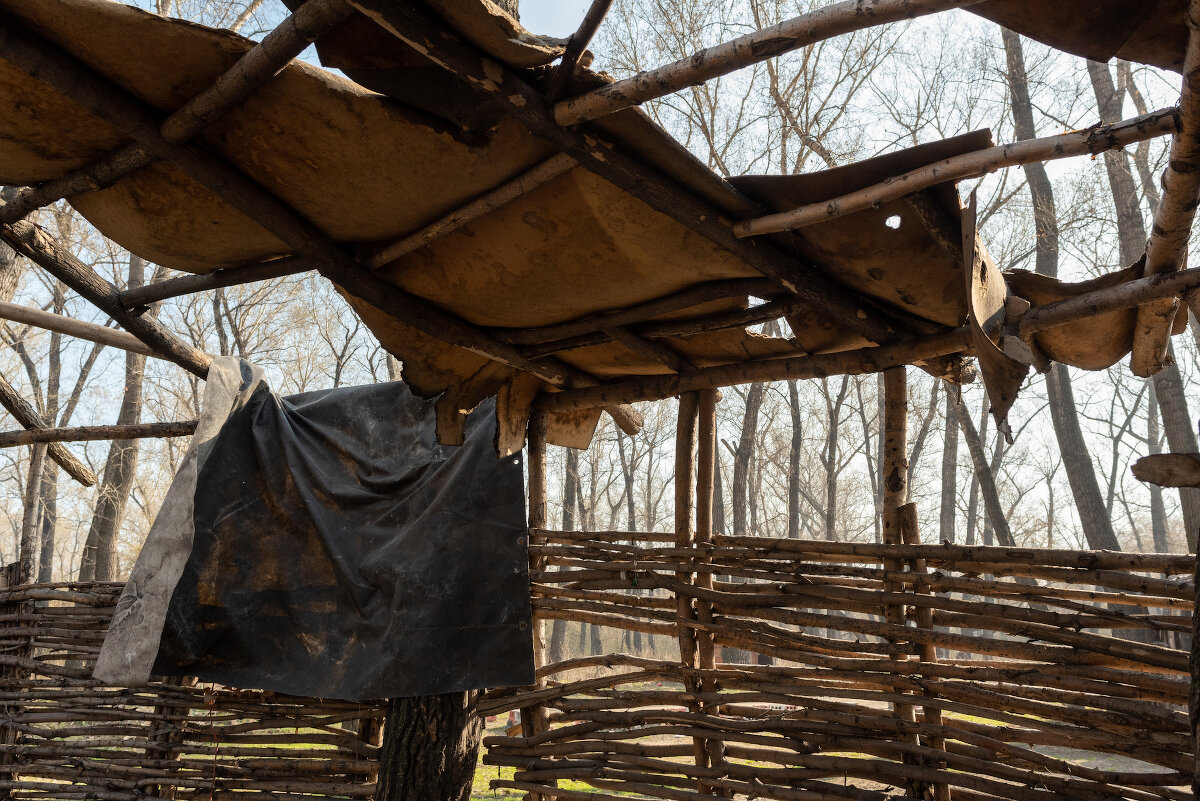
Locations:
(872, 359)
(254, 69)
(13, 439)
(24, 413)
(851, 362)
(1091, 141)
(75, 328)
(793, 34)
(142, 296)
(500, 196)
(1109, 299)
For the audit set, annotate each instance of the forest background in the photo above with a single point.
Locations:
(797, 459)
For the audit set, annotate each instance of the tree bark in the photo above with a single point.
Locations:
(1131, 235)
(983, 473)
(793, 499)
(949, 474)
(27, 555)
(99, 561)
(418, 759)
(743, 458)
(1158, 513)
(1081, 473)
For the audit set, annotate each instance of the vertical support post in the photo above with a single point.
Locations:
(706, 465)
(685, 519)
(911, 533)
(895, 495)
(533, 719)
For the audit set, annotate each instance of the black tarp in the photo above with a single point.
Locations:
(340, 552)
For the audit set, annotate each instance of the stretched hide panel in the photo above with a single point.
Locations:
(338, 551)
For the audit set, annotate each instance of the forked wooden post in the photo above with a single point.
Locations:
(685, 520)
(911, 534)
(895, 496)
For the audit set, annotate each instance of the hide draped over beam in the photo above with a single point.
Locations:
(496, 253)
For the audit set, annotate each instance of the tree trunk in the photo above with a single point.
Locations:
(99, 561)
(793, 499)
(27, 554)
(949, 473)
(430, 747)
(983, 473)
(743, 457)
(1158, 513)
(1081, 473)
(49, 493)
(1131, 235)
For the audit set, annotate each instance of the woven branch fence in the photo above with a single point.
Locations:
(929, 672)
(64, 735)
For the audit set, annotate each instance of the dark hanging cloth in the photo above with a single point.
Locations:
(340, 552)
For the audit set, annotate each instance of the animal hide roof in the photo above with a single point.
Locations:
(370, 160)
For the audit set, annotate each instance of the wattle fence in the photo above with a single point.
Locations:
(810, 671)
(64, 735)
(924, 672)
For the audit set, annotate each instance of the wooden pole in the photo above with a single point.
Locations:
(143, 296)
(35, 244)
(506, 193)
(1089, 141)
(894, 475)
(807, 29)
(13, 439)
(927, 652)
(17, 313)
(575, 48)
(254, 69)
(46, 63)
(685, 521)
(706, 467)
(1169, 236)
(533, 719)
(27, 416)
(851, 362)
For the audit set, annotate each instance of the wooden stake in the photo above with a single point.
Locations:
(685, 519)
(911, 536)
(1194, 685)
(1169, 236)
(792, 34)
(13, 439)
(27, 416)
(75, 328)
(231, 89)
(1089, 141)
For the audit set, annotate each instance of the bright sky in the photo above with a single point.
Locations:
(553, 17)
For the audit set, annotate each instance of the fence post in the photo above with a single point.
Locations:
(911, 533)
(1194, 688)
(894, 472)
(11, 676)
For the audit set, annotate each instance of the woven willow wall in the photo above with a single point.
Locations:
(895, 672)
(63, 735)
